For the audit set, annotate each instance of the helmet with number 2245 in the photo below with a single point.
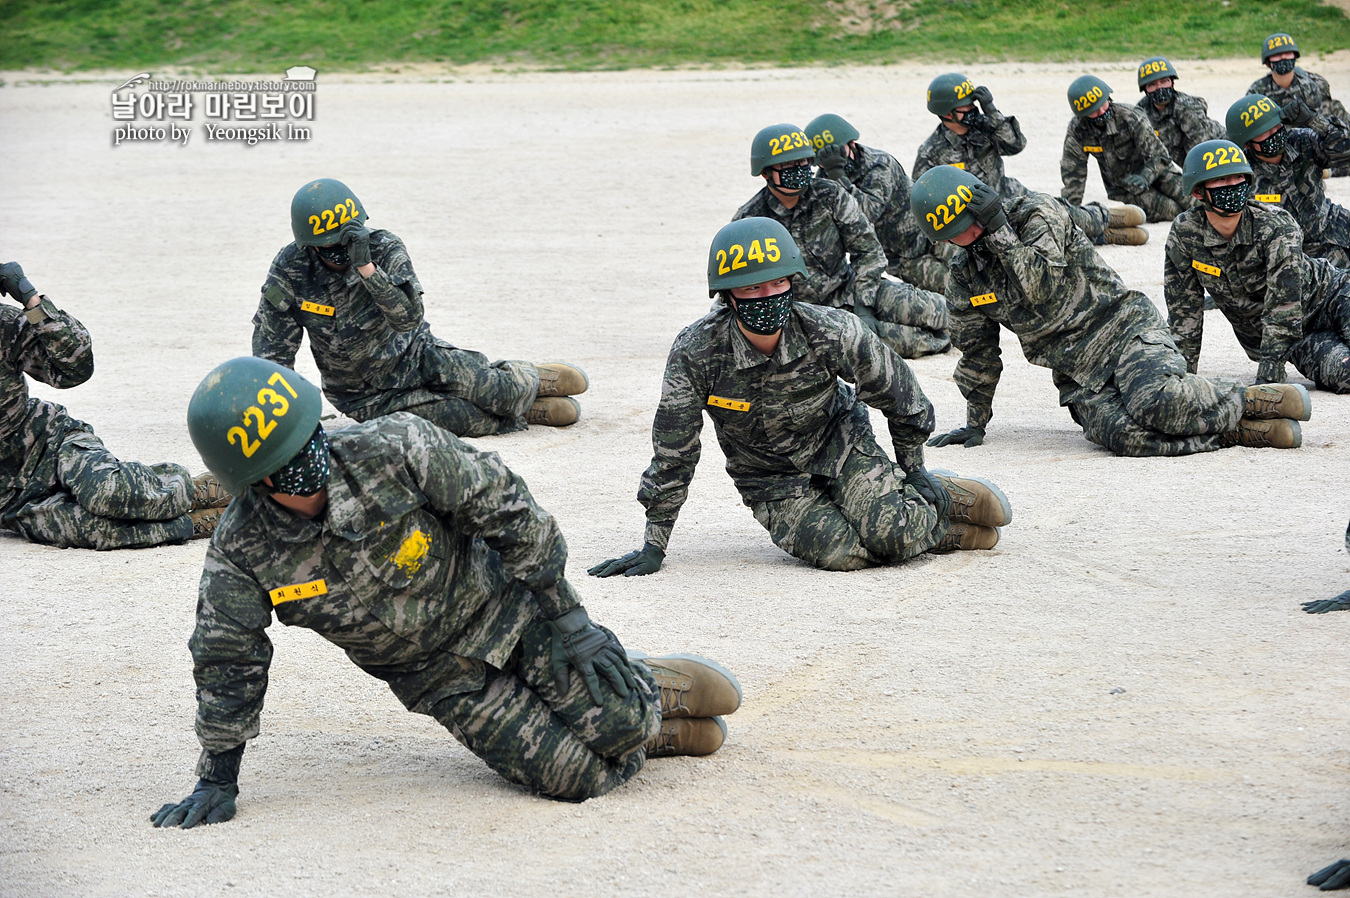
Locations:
(752, 251)
(320, 208)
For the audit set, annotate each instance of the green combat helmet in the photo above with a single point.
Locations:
(948, 91)
(1155, 68)
(320, 208)
(779, 143)
(1250, 116)
(249, 417)
(940, 201)
(1087, 94)
(1278, 43)
(751, 251)
(1213, 159)
(828, 129)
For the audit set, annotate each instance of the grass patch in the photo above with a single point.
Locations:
(258, 36)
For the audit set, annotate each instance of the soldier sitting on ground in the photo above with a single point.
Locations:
(847, 263)
(1027, 268)
(1135, 166)
(1287, 81)
(1180, 120)
(798, 441)
(1283, 306)
(59, 484)
(430, 564)
(1288, 149)
(353, 290)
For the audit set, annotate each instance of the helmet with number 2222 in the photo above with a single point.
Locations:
(320, 208)
(940, 201)
(751, 251)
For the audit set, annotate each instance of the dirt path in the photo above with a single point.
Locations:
(952, 727)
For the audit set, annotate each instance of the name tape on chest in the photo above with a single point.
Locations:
(1087, 149)
(983, 299)
(1207, 269)
(1268, 197)
(317, 309)
(299, 591)
(736, 405)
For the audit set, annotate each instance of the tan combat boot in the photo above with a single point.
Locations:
(1125, 236)
(554, 411)
(204, 521)
(692, 686)
(693, 736)
(1278, 401)
(975, 500)
(208, 492)
(561, 379)
(1126, 216)
(967, 536)
(1272, 433)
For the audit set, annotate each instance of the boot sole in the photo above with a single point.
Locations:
(586, 378)
(998, 494)
(635, 655)
(1307, 404)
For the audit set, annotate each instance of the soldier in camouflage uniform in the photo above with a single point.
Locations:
(1134, 164)
(976, 141)
(1283, 306)
(878, 182)
(798, 441)
(844, 259)
(1180, 120)
(354, 292)
(59, 484)
(1116, 367)
(1288, 149)
(1287, 81)
(430, 564)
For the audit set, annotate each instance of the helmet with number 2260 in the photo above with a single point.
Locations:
(752, 251)
(1087, 94)
(320, 208)
(940, 201)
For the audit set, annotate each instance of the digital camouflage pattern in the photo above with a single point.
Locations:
(1115, 364)
(1297, 182)
(59, 485)
(375, 352)
(844, 266)
(1312, 89)
(1125, 146)
(434, 570)
(1283, 306)
(1182, 124)
(790, 430)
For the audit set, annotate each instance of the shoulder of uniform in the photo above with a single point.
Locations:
(703, 331)
(385, 238)
(386, 435)
(755, 206)
(1271, 217)
(1187, 226)
(1261, 85)
(234, 520)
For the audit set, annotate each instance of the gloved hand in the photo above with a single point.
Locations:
(966, 436)
(985, 99)
(581, 644)
(638, 563)
(867, 317)
(1322, 606)
(987, 207)
(833, 160)
(1329, 879)
(1269, 372)
(15, 284)
(1135, 184)
(1296, 114)
(209, 803)
(356, 238)
(931, 489)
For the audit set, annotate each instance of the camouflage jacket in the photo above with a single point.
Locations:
(844, 260)
(1309, 87)
(979, 151)
(1261, 281)
(54, 348)
(429, 560)
(367, 334)
(1182, 124)
(1041, 278)
(1126, 146)
(1295, 182)
(780, 418)
(877, 181)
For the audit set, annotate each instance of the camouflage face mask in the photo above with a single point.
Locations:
(765, 316)
(1282, 67)
(1162, 96)
(1228, 200)
(794, 179)
(974, 119)
(1101, 120)
(334, 255)
(1272, 145)
(308, 471)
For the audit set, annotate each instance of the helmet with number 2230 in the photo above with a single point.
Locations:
(752, 251)
(940, 201)
(320, 208)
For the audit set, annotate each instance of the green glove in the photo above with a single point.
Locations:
(867, 317)
(14, 283)
(638, 563)
(356, 238)
(1269, 372)
(592, 651)
(1322, 606)
(1329, 879)
(966, 436)
(209, 803)
(933, 492)
(985, 99)
(1135, 184)
(987, 207)
(833, 160)
(1296, 114)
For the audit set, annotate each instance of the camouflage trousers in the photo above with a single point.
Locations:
(556, 743)
(911, 321)
(864, 517)
(1152, 406)
(1092, 218)
(927, 272)
(473, 398)
(1163, 201)
(1323, 355)
(104, 503)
